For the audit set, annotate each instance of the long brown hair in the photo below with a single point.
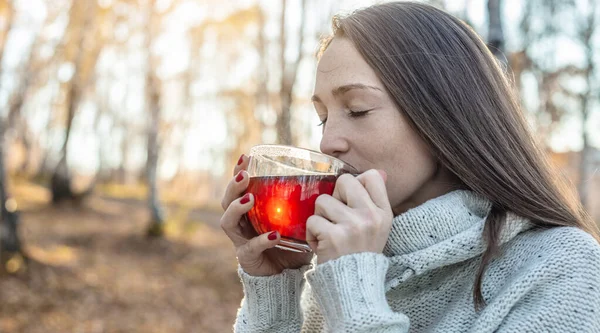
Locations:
(444, 79)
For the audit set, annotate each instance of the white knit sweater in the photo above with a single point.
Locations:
(542, 281)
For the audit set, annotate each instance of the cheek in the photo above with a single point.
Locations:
(412, 166)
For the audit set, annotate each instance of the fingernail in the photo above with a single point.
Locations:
(245, 199)
(272, 235)
(239, 176)
(241, 160)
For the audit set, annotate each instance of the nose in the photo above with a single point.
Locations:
(334, 142)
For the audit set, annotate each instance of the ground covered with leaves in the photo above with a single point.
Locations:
(91, 269)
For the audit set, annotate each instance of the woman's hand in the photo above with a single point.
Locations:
(356, 218)
(256, 254)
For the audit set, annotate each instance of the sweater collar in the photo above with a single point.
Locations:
(441, 232)
(435, 220)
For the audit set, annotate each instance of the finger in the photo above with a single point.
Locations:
(242, 164)
(230, 220)
(317, 229)
(246, 228)
(257, 245)
(383, 175)
(332, 209)
(350, 191)
(374, 183)
(236, 187)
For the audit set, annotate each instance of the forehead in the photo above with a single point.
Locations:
(342, 64)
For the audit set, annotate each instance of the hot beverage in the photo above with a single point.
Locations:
(286, 182)
(284, 203)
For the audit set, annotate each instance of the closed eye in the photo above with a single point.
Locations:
(358, 114)
(351, 114)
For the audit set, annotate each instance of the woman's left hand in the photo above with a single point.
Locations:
(356, 218)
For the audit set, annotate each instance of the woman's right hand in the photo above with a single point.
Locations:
(256, 254)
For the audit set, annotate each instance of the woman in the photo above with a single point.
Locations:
(456, 223)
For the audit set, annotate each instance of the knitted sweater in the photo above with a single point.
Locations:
(543, 280)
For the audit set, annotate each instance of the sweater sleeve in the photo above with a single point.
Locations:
(351, 294)
(564, 298)
(271, 303)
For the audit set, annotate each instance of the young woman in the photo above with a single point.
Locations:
(456, 223)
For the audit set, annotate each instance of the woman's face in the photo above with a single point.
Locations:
(363, 127)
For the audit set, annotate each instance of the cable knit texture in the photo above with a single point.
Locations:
(543, 280)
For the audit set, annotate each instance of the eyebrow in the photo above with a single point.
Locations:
(344, 89)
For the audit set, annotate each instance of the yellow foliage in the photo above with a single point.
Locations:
(55, 256)
(15, 263)
(121, 191)
(11, 205)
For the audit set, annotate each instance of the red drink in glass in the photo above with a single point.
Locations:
(284, 203)
(286, 182)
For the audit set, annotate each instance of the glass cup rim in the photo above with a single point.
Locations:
(345, 165)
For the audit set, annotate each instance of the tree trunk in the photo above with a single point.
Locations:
(61, 179)
(288, 77)
(15, 104)
(588, 159)
(156, 227)
(10, 243)
(495, 32)
(586, 171)
(263, 103)
(10, 240)
(156, 211)
(284, 132)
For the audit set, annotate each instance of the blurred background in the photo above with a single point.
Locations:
(121, 121)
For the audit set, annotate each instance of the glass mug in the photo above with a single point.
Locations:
(286, 182)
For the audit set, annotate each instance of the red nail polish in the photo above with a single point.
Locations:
(272, 235)
(245, 199)
(239, 177)
(241, 160)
